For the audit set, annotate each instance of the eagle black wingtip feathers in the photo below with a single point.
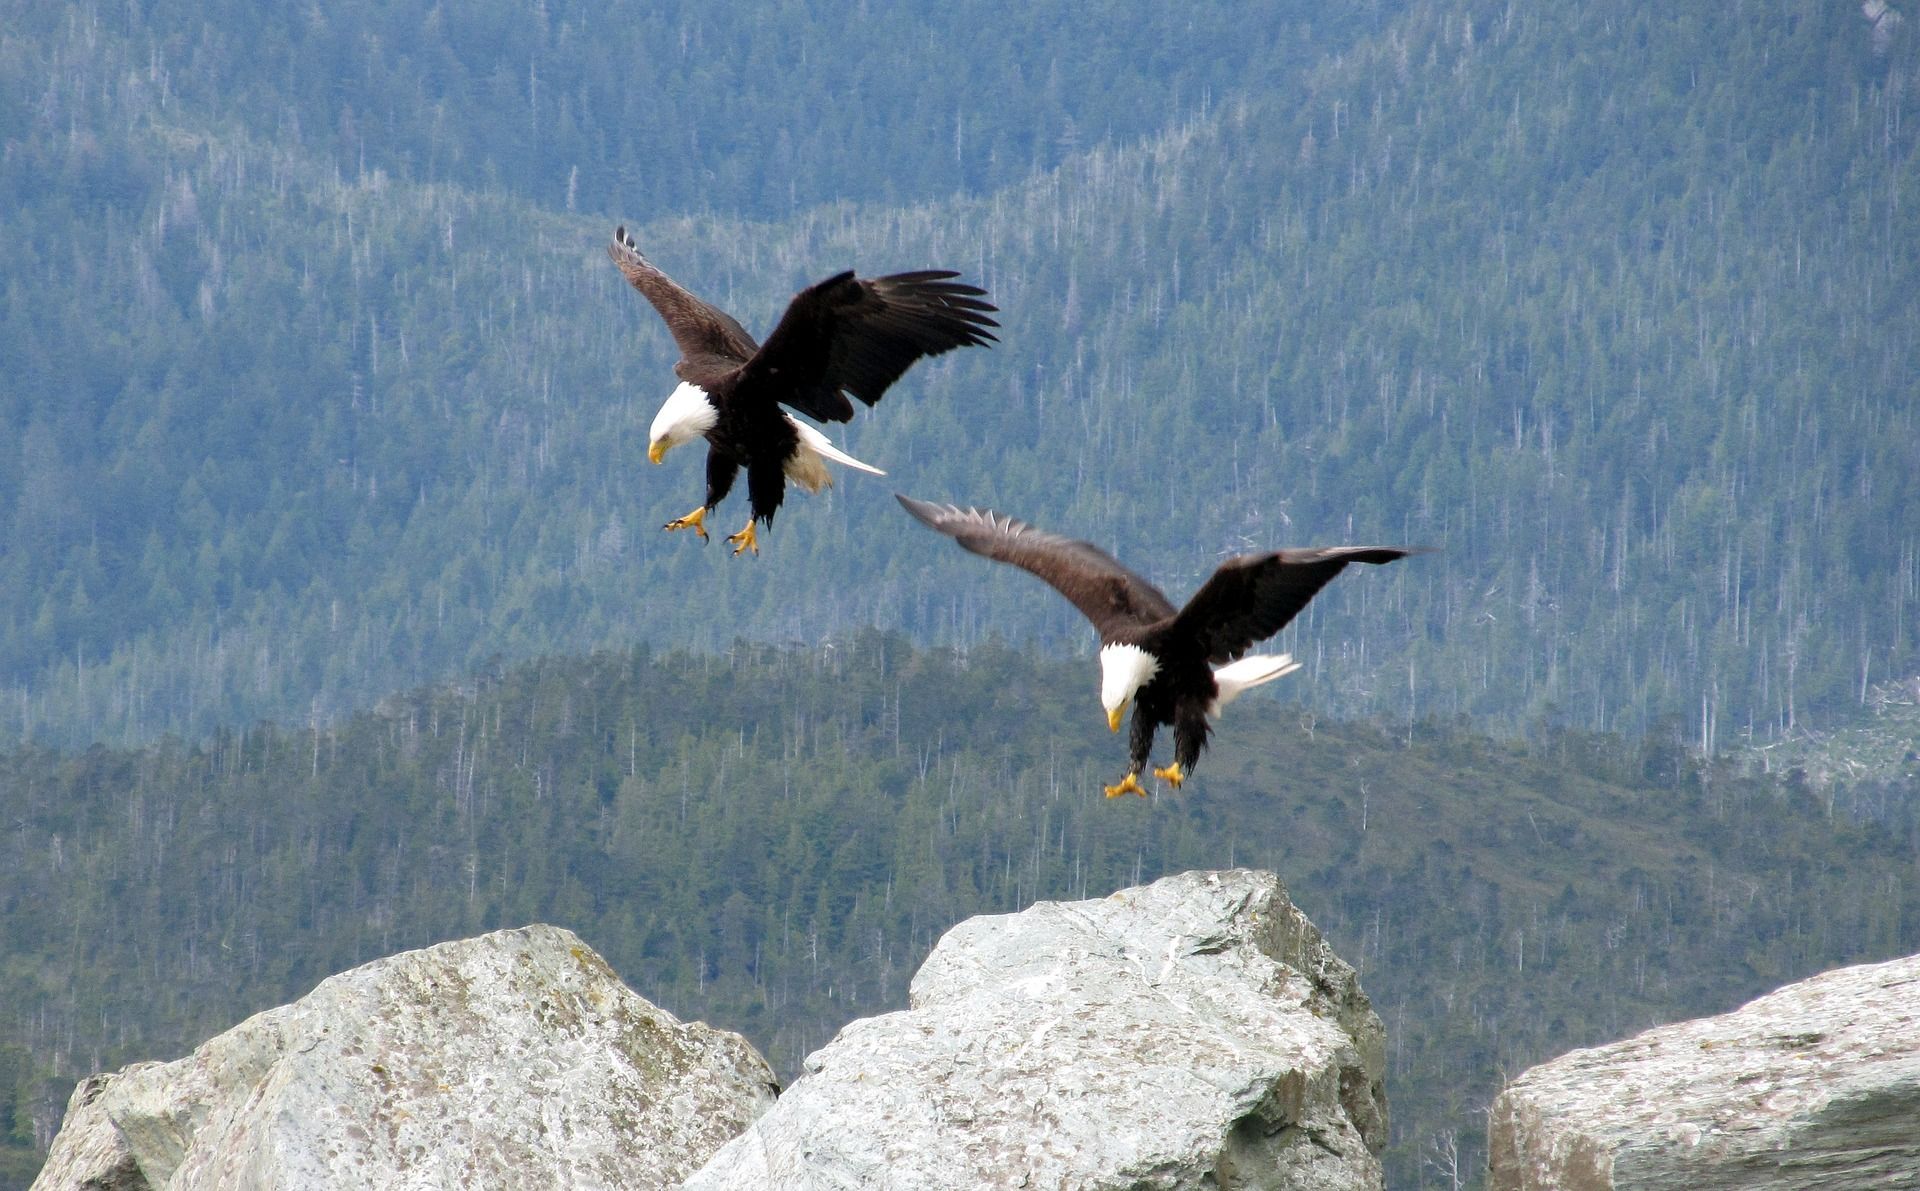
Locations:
(624, 245)
(1381, 555)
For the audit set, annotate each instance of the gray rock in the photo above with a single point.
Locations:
(1196, 1032)
(89, 1152)
(1816, 1085)
(516, 1059)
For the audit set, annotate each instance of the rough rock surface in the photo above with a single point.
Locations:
(1196, 1032)
(1816, 1085)
(88, 1151)
(516, 1059)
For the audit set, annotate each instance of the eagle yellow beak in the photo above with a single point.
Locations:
(1113, 718)
(657, 450)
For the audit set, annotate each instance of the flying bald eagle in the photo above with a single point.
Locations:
(844, 335)
(1177, 666)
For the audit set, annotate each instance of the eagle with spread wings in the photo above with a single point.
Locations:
(1175, 666)
(845, 335)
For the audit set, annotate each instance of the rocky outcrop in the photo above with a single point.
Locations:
(1816, 1085)
(1196, 1032)
(516, 1059)
(89, 1152)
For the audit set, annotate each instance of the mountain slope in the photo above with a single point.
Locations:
(750, 109)
(1614, 305)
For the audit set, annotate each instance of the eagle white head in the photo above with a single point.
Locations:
(686, 414)
(1124, 669)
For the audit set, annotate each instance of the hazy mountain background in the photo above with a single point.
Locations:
(318, 386)
(321, 384)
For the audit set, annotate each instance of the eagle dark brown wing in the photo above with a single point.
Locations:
(1115, 599)
(856, 335)
(1253, 596)
(710, 340)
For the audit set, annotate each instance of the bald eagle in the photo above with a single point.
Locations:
(1177, 666)
(844, 335)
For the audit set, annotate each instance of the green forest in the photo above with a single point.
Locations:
(323, 387)
(318, 386)
(772, 839)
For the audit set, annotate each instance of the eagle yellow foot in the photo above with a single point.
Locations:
(1172, 775)
(745, 540)
(694, 521)
(1129, 784)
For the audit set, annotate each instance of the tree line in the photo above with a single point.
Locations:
(771, 839)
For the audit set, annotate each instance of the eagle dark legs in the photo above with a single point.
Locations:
(1139, 748)
(766, 488)
(1140, 739)
(720, 472)
(721, 469)
(1190, 730)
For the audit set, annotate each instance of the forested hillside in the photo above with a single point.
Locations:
(771, 840)
(321, 384)
(756, 110)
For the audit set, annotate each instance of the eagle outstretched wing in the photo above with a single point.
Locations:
(708, 337)
(858, 335)
(1253, 596)
(1115, 599)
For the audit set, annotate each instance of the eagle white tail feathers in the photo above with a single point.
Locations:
(805, 467)
(1235, 678)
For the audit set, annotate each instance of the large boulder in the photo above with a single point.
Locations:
(1196, 1032)
(1816, 1085)
(516, 1059)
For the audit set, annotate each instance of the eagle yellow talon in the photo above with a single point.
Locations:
(745, 539)
(1129, 784)
(1172, 775)
(693, 521)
